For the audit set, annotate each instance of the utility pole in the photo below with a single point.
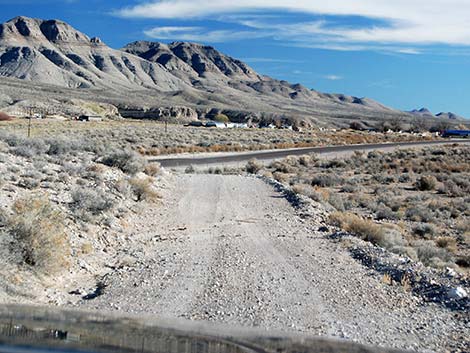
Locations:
(29, 126)
(30, 113)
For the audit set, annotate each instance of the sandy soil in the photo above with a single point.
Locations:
(231, 249)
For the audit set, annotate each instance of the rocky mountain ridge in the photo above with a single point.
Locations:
(426, 113)
(145, 76)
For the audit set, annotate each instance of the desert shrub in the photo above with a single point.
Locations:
(282, 166)
(382, 235)
(281, 177)
(123, 187)
(129, 162)
(431, 255)
(405, 178)
(366, 230)
(253, 166)
(385, 212)
(190, 170)
(418, 214)
(384, 179)
(337, 202)
(28, 150)
(426, 183)
(334, 163)
(448, 243)
(306, 160)
(152, 169)
(24, 147)
(58, 146)
(39, 234)
(360, 227)
(349, 188)
(389, 200)
(308, 191)
(143, 189)
(450, 188)
(393, 240)
(425, 230)
(90, 201)
(326, 180)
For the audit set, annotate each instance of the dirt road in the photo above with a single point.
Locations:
(231, 249)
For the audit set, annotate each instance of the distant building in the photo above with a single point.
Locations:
(90, 118)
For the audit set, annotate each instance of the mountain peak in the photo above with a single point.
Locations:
(449, 115)
(24, 28)
(425, 111)
(197, 59)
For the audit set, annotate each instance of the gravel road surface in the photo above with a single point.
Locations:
(230, 249)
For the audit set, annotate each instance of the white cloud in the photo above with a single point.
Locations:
(333, 77)
(199, 34)
(272, 60)
(402, 22)
(410, 51)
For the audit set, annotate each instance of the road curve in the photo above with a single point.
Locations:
(277, 154)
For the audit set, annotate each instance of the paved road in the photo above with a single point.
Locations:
(271, 155)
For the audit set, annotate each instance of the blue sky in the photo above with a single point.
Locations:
(404, 53)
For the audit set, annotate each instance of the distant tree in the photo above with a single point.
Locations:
(221, 118)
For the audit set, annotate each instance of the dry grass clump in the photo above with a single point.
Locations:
(152, 169)
(308, 191)
(363, 228)
(143, 189)
(253, 166)
(39, 234)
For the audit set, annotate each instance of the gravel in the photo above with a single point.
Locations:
(232, 249)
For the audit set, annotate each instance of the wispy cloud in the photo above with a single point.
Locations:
(402, 25)
(199, 34)
(333, 77)
(272, 60)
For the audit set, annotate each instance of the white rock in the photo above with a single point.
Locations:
(451, 272)
(457, 293)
